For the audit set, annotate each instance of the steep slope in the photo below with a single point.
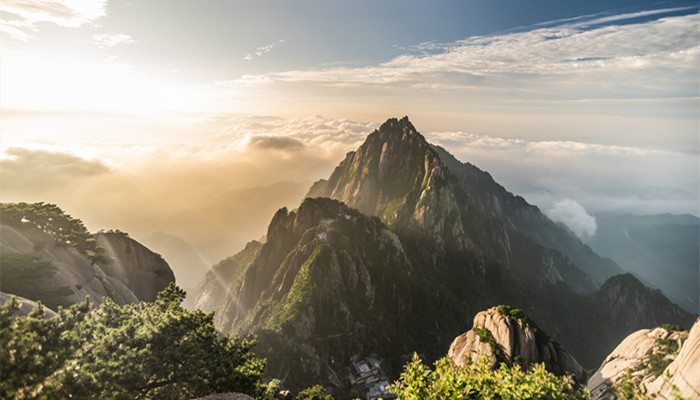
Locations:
(144, 272)
(663, 250)
(130, 273)
(494, 201)
(328, 284)
(423, 192)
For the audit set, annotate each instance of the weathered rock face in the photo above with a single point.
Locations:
(144, 272)
(517, 342)
(397, 176)
(640, 355)
(76, 272)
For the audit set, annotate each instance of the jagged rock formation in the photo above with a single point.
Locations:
(331, 282)
(650, 358)
(421, 190)
(83, 277)
(507, 336)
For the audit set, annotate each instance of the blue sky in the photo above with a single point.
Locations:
(549, 96)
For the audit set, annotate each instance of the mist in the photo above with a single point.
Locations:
(202, 196)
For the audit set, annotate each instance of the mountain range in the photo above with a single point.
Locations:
(398, 250)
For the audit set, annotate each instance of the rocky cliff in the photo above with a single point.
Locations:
(506, 335)
(132, 274)
(662, 362)
(423, 192)
(142, 271)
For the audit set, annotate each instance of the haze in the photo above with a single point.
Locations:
(187, 124)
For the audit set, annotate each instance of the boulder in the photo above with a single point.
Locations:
(517, 341)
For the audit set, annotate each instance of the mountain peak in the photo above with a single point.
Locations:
(402, 125)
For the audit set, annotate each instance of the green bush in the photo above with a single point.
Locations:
(477, 381)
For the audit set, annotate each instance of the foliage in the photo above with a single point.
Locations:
(672, 327)
(138, 351)
(515, 314)
(476, 380)
(66, 230)
(316, 392)
(485, 336)
(24, 274)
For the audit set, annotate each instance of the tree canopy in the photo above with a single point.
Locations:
(65, 229)
(154, 350)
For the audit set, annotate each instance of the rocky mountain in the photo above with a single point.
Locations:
(404, 257)
(508, 336)
(657, 361)
(422, 190)
(35, 261)
(662, 250)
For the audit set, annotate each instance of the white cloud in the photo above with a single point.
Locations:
(112, 39)
(601, 177)
(260, 50)
(573, 215)
(68, 13)
(581, 60)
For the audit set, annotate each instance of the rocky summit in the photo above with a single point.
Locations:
(508, 336)
(397, 251)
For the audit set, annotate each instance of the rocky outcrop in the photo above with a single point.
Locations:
(660, 361)
(507, 336)
(144, 272)
(84, 278)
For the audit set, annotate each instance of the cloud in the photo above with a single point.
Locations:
(112, 39)
(603, 178)
(274, 142)
(579, 60)
(260, 50)
(573, 215)
(29, 170)
(67, 13)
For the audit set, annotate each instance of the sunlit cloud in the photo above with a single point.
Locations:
(261, 50)
(67, 13)
(577, 60)
(112, 39)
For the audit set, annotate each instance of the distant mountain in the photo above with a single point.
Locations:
(38, 264)
(404, 257)
(662, 250)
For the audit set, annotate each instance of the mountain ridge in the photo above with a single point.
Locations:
(298, 292)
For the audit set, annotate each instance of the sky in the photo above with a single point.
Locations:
(131, 114)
